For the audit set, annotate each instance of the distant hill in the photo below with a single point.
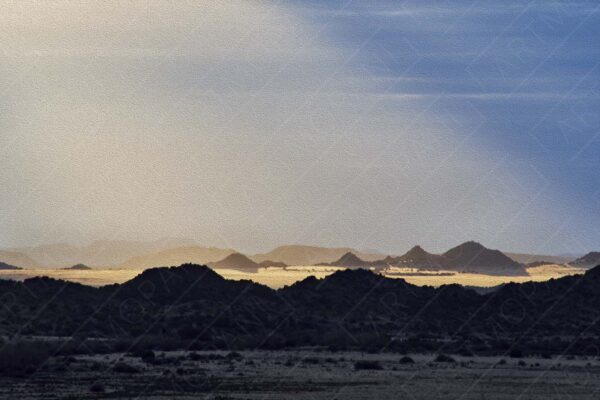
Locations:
(100, 253)
(417, 257)
(178, 256)
(349, 260)
(474, 257)
(236, 261)
(4, 266)
(17, 259)
(588, 260)
(310, 255)
(536, 258)
(79, 267)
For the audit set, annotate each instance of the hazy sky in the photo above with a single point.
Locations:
(252, 124)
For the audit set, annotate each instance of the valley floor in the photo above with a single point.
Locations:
(306, 375)
(278, 277)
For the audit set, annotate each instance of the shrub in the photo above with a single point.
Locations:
(465, 352)
(22, 358)
(234, 355)
(148, 356)
(406, 360)
(444, 358)
(125, 368)
(97, 388)
(367, 364)
(516, 353)
(311, 360)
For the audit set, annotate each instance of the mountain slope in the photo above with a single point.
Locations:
(589, 260)
(473, 257)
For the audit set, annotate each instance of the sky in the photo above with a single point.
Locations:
(376, 125)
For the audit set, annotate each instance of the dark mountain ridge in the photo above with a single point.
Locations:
(192, 305)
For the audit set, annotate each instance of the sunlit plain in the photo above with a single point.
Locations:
(279, 277)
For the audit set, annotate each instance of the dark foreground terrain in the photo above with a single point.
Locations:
(186, 332)
(192, 307)
(306, 375)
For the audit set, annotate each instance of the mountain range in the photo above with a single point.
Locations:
(137, 254)
(193, 306)
(466, 257)
(101, 253)
(469, 256)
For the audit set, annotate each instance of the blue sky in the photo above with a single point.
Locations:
(340, 123)
(528, 70)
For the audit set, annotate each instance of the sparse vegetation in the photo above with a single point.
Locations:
(97, 387)
(444, 358)
(367, 364)
(122, 367)
(22, 358)
(516, 353)
(234, 355)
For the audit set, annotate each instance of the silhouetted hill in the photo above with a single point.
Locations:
(473, 257)
(348, 260)
(79, 267)
(179, 284)
(236, 261)
(6, 266)
(588, 260)
(38, 304)
(193, 306)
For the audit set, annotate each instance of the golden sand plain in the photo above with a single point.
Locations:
(279, 277)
